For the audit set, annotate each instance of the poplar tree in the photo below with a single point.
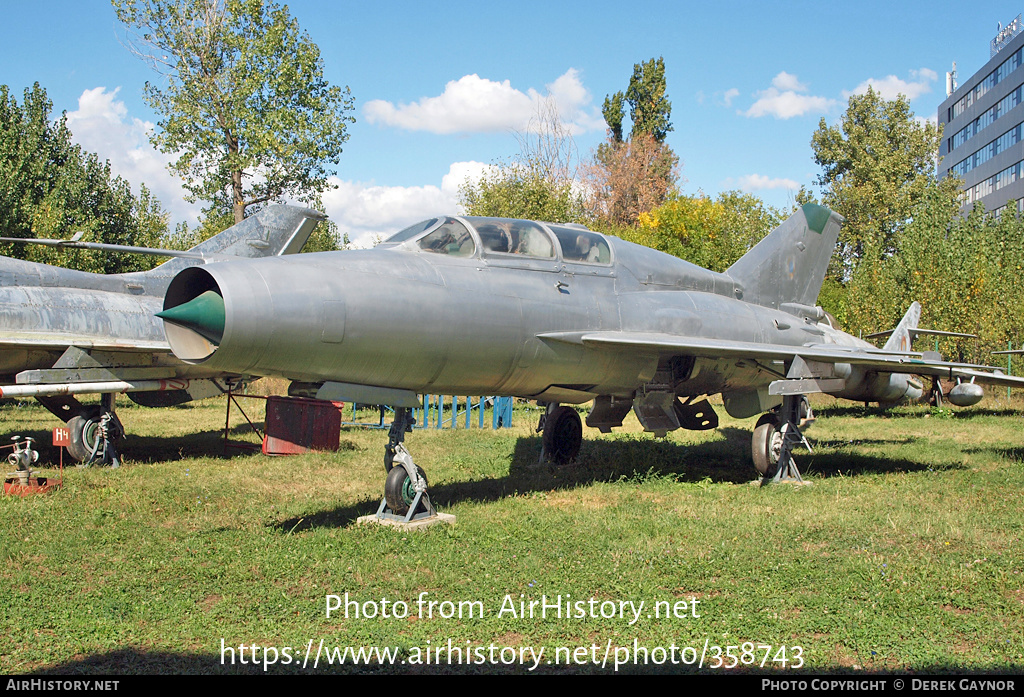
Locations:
(877, 164)
(633, 175)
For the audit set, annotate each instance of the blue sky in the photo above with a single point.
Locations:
(441, 88)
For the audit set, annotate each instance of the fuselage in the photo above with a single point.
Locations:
(44, 309)
(406, 316)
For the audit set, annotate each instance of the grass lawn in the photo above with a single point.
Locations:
(904, 554)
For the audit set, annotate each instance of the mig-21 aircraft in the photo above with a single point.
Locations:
(65, 333)
(554, 313)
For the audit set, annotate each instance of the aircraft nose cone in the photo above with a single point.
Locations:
(203, 314)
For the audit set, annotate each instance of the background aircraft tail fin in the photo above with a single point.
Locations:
(789, 264)
(902, 337)
(274, 231)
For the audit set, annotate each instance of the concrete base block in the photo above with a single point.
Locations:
(421, 524)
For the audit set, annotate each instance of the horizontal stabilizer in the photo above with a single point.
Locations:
(273, 231)
(902, 337)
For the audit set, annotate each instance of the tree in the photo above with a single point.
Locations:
(539, 184)
(630, 176)
(712, 233)
(50, 187)
(613, 113)
(965, 271)
(877, 164)
(518, 191)
(649, 108)
(246, 108)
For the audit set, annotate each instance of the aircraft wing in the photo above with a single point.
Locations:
(877, 359)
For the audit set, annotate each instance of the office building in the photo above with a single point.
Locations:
(982, 121)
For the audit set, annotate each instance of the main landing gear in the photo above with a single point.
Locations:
(405, 489)
(775, 436)
(94, 430)
(562, 434)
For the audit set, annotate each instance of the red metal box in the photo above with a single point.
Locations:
(298, 424)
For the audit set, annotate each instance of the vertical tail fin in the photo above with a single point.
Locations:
(902, 337)
(789, 264)
(274, 231)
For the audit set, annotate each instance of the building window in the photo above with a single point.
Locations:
(990, 81)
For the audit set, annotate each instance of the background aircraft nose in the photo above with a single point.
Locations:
(203, 314)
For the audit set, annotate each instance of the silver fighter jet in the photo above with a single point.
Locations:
(555, 313)
(65, 333)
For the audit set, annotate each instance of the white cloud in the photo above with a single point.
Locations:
(473, 104)
(783, 101)
(368, 211)
(786, 81)
(759, 182)
(891, 86)
(730, 94)
(101, 125)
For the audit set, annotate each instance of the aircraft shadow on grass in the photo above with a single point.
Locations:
(155, 449)
(859, 410)
(631, 459)
(133, 661)
(1007, 453)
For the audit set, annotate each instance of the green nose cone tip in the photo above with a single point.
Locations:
(203, 314)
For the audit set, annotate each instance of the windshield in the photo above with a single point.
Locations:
(451, 238)
(413, 230)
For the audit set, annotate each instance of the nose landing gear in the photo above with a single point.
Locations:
(405, 490)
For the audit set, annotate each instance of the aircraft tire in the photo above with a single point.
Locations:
(398, 489)
(806, 413)
(84, 430)
(563, 435)
(766, 445)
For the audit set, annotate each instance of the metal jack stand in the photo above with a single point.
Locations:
(406, 502)
(541, 423)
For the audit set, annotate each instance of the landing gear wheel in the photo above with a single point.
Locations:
(85, 435)
(399, 491)
(766, 445)
(563, 435)
(94, 433)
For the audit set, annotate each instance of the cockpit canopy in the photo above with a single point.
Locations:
(464, 236)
